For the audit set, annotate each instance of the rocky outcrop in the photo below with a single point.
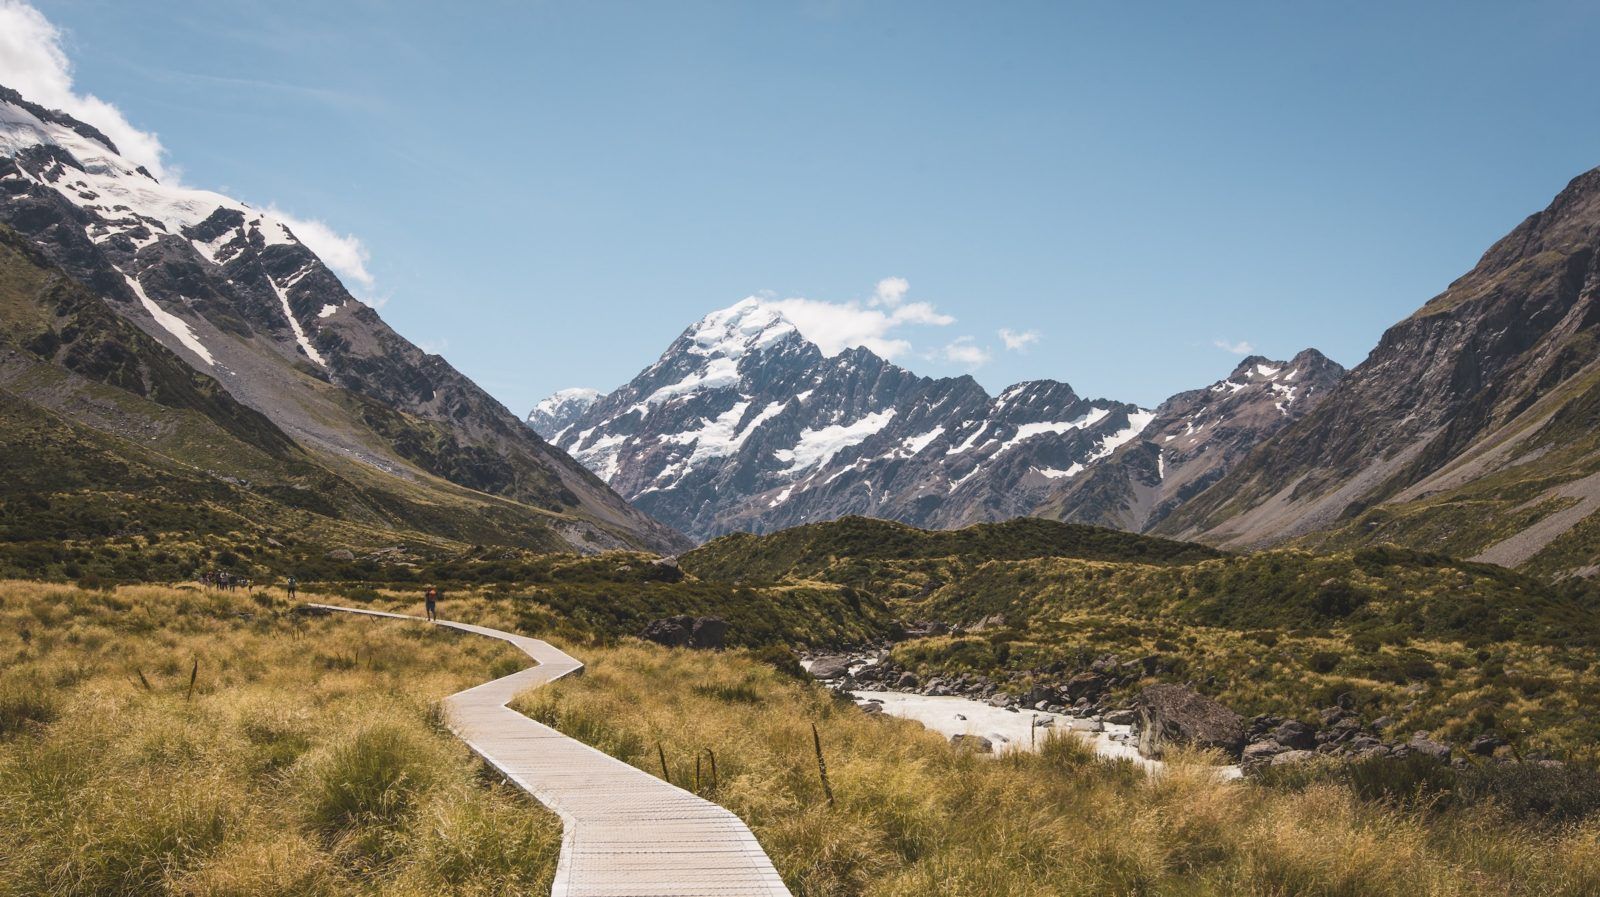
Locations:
(1174, 715)
(1468, 429)
(1195, 438)
(687, 632)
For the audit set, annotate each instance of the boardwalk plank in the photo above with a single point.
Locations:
(625, 833)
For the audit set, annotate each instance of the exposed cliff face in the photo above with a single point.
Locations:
(233, 292)
(743, 424)
(1470, 428)
(1195, 438)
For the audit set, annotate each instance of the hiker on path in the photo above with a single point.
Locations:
(431, 601)
(291, 585)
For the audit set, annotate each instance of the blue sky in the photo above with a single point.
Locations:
(548, 193)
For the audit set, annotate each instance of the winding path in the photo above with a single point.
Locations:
(625, 832)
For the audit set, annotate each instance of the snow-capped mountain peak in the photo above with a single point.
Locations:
(557, 411)
(743, 423)
(748, 325)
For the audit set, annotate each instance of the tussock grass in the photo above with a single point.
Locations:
(915, 817)
(308, 761)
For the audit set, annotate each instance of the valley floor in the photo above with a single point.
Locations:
(308, 760)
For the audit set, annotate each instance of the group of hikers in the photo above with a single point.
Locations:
(218, 579)
(221, 579)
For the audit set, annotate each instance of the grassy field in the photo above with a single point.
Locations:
(306, 760)
(913, 816)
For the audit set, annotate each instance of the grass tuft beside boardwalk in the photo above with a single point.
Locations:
(309, 759)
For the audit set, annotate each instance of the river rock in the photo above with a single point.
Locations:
(832, 667)
(1122, 717)
(1289, 758)
(1086, 685)
(1174, 714)
(1294, 734)
(973, 742)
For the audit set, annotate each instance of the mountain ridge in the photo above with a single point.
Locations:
(1471, 427)
(232, 291)
(743, 424)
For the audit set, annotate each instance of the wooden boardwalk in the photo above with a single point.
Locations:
(625, 833)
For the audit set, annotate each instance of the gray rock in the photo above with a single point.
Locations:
(1087, 725)
(1421, 744)
(1260, 754)
(1289, 758)
(1485, 745)
(1086, 686)
(832, 667)
(684, 631)
(1174, 714)
(1294, 734)
(1122, 717)
(976, 743)
(340, 554)
(907, 679)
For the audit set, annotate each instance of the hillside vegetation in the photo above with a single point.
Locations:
(106, 433)
(841, 549)
(1452, 647)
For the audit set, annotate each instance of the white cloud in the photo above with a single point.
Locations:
(890, 291)
(1017, 342)
(1242, 347)
(33, 63)
(837, 326)
(964, 351)
(344, 253)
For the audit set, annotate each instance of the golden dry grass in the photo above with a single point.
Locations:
(308, 760)
(915, 817)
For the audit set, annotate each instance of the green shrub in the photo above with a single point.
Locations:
(373, 776)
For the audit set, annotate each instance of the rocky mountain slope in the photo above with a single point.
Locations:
(251, 311)
(1194, 440)
(745, 425)
(1473, 427)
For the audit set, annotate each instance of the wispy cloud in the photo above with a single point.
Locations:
(1242, 347)
(890, 291)
(837, 326)
(33, 63)
(344, 253)
(965, 352)
(1018, 341)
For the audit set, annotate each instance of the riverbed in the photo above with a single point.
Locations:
(1008, 730)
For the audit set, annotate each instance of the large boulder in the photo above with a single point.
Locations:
(834, 667)
(709, 632)
(1176, 715)
(684, 631)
